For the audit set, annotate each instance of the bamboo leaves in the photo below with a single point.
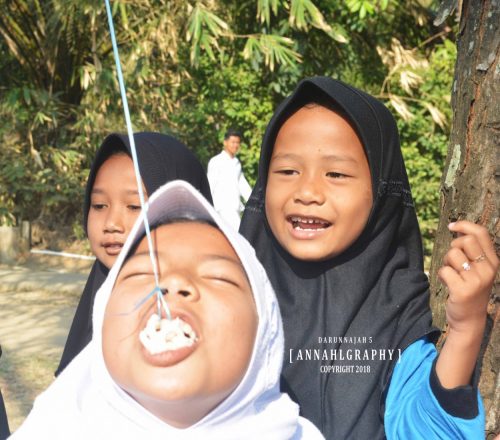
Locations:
(264, 9)
(204, 29)
(275, 48)
(406, 70)
(303, 13)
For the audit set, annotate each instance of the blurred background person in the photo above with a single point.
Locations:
(227, 182)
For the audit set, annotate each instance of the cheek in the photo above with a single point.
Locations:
(121, 322)
(237, 337)
(118, 344)
(130, 218)
(357, 208)
(275, 199)
(245, 326)
(92, 227)
(111, 335)
(92, 221)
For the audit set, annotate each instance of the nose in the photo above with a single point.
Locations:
(179, 287)
(114, 221)
(310, 190)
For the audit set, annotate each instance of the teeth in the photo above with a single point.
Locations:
(311, 221)
(161, 335)
(297, 226)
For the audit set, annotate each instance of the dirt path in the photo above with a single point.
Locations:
(33, 328)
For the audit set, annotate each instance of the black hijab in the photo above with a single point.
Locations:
(4, 424)
(373, 296)
(161, 158)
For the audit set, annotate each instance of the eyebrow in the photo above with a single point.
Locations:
(330, 157)
(102, 191)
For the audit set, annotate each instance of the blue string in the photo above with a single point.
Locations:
(144, 205)
(139, 303)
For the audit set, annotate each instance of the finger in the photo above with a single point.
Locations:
(449, 276)
(470, 246)
(482, 235)
(457, 260)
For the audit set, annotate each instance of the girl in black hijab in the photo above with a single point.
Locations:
(161, 158)
(332, 220)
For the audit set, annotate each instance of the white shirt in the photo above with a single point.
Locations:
(228, 186)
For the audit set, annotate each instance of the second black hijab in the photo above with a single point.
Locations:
(161, 158)
(373, 296)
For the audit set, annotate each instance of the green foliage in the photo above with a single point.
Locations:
(204, 28)
(44, 183)
(366, 7)
(195, 69)
(275, 48)
(264, 9)
(225, 96)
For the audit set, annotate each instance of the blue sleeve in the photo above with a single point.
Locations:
(417, 407)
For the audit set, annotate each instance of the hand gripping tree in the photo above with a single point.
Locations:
(470, 186)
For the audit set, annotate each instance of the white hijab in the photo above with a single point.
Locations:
(85, 403)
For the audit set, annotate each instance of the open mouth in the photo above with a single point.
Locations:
(308, 223)
(113, 248)
(162, 335)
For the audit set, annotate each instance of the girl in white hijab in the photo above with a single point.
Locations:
(223, 381)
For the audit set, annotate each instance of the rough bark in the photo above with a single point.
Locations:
(470, 182)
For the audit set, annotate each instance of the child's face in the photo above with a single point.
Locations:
(319, 193)
(114, 206)
(207, 288)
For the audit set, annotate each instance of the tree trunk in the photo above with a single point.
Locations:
(470, 184)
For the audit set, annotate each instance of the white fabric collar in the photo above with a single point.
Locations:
(228, 156)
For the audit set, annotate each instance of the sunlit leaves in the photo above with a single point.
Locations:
(437, 116)
(366, 7)
(87, 75)
(304, 13)
(205, 31)
(407, 67)
(409, 80)
(264, 9)
(204, 28)
(275, 48)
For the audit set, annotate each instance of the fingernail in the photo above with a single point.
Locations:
(451, 225)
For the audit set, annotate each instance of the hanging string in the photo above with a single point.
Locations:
(144, 206)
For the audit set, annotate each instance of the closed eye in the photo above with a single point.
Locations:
(136, 275)
(97, 206)
(223, 279)
(134, 207)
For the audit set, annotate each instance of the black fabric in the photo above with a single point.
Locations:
(80, 332)
(161, 158)
(459, 402)
(375, 290)
(4, 424)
